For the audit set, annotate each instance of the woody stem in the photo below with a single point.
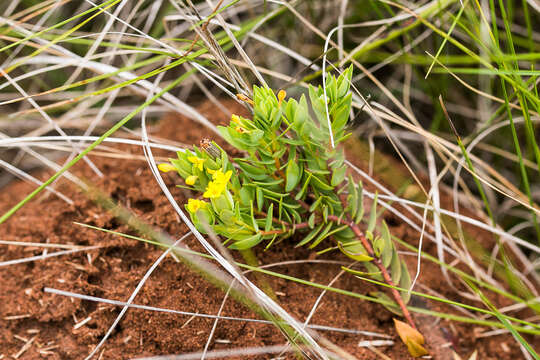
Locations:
(384, 271)
(362, 238)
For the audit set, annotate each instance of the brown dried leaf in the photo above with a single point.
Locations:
(412, 338)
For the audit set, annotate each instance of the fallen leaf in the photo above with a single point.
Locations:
(412, 338)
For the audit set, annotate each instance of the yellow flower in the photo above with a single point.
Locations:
(190, 180)
(235, 119)
(219, 184)
(166, 167)
(197, 161)
(214, 189)
(194, 205)
(281, 95)
(219, 177)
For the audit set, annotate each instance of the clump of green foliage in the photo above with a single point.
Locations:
(291, 180)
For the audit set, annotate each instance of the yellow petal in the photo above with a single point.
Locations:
(166, 167)
(220, 178)
(195, 205)
(214, 190)
(192, 205)
(198, 162)
(190, 180)
(235, 119)
(281, 95)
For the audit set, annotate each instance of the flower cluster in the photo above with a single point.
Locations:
(218, 185)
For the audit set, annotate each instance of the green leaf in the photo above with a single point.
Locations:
(224, 131)
(373, 215)
(322, 235)
(315, 204)
(227, 216)
(304, 188)
(273, 193)
(247, 243)
(292, 141)
(311, 220)
(260, 198)
(269, 215)
(253, 220)
(338, 176)
(293, 175)
(388, 250)
(370, 267)
(344, 82)
(360, 204)
(320, 184)
(355, 251)
(389, 303)
(395, 268)
(360, 273)
(310, 236)
(352, 199)
(378, 246)
(345, 235)
(271, 183)
(246, 195)
(325, 213)
(328, 234)
(405, 283)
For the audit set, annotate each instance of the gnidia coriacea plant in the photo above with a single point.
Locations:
(291, 181)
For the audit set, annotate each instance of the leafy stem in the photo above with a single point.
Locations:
(365, 242)
(292, 181)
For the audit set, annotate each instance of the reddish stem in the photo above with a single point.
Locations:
(386, 276)
(360, 236)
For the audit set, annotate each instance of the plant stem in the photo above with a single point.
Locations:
(360, 236)
(251, 259)
(386, 276)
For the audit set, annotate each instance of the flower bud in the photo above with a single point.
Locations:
(166, 167)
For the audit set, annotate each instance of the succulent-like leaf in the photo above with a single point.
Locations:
(355, 250)
(324, 235)
(338, 176)
(360, 204)
(395, 268)
(321, 236)
(373, 215)
(378, 246)
(311, 220)
(260, 198)
(304, 188)
(388, 249)
(405, 282)
(293, 175)
(247, 243)
(310, 235)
